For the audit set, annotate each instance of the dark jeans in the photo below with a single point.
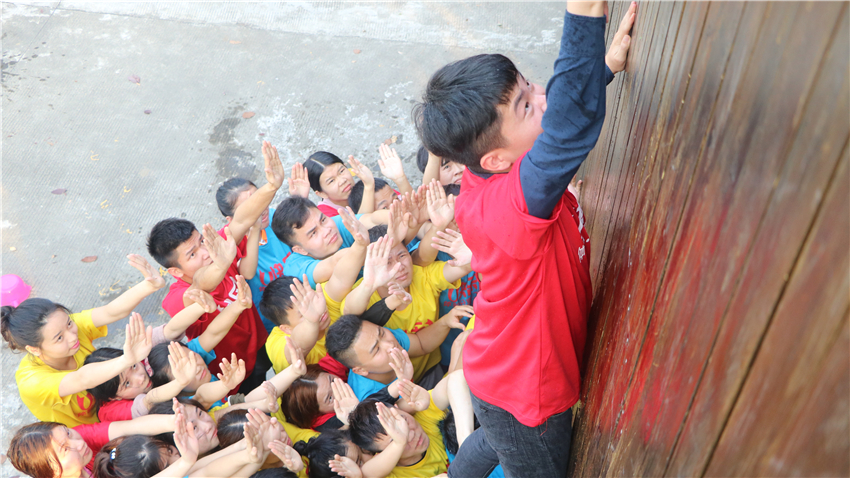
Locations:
(541, 451)
(255, 378)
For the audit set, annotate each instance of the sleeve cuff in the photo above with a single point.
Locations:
(609, 75)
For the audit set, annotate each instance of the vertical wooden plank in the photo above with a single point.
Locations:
(604, 401)
(729, 193)
(796, 359)
(816, 150)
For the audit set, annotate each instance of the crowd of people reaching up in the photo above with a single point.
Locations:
(361, 305)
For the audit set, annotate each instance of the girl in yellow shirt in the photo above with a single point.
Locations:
(51, 377)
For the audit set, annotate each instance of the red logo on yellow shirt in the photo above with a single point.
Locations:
(84, 403)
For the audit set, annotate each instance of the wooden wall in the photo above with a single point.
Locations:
(717, 204)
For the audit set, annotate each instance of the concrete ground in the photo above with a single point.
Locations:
(336, 76)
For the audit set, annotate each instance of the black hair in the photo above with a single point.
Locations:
(229, 427)
(166, 236)
(277, 300)
(355, 197)
(340, 338)
(449, 431)
(134, 456)
(21, 326)
(158, 360)
(452, 189)
(278, 472)
(315, 166)
(289, 215)
(458, 119)
(364, 426)
(422, 158)
(107, 390)
(321, 449)
(165, 408)
(377, 232)
(227, 193)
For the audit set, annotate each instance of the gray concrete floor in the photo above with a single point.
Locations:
(336, 76)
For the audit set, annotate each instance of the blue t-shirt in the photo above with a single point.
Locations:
(271, 258)
(362, 386)
(297, 265)
(195, 346)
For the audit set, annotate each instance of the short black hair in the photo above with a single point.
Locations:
(166, 236)
(377, 232)
(452, 189)
(277, 300)
(355, 197)
(364, 426)
(315, 166)
(226, 194)
(289, 215)
(458, 117)
(321, 449)
(107, 390)
(340, 338)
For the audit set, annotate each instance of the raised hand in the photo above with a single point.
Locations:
(354, 226)
(137, 340)
(202, 298)
(361, 171)
(273, 166)
(295, 356)
(344, 399)
(396, 225)
(441, 209)
(398, 298)
(253, 443)
(151, 275)
(271, 395)
(416, 396)
(182, 364)
(394, 424)
(401, 364)
(269, 428)
(232, 372)
(287, 455)
(375, 270)
(452, 318)
(243, 293)
(311, 304)
(222, 251)
(619, 51)
(345, 466)
(390, 162)
(184, 437)
(451, 242)
(299, 185)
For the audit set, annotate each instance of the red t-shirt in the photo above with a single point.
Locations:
(247, 335)
(95, 435)
(534, 299)
(116, 411)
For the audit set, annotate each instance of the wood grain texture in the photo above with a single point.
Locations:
(711, 168)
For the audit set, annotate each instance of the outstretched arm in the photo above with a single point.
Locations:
(390, 164)
(222, 252)
(220, 326)
(429, 339)
(249, 211)
(122, 305)
(575, 110)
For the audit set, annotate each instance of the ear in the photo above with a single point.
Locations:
(496, 161)
(228, 219)
(33, 350)
(321, 194)
(300, 250)
(286, 329)
(175, 272)
(360, 371)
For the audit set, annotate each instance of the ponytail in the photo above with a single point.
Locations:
(134, 456)
(21, 326)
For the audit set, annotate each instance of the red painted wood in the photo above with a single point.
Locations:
(798, 195)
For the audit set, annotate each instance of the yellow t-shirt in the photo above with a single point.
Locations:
(277, 341)
(38, 383)
(436, 460)
(425, 288)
